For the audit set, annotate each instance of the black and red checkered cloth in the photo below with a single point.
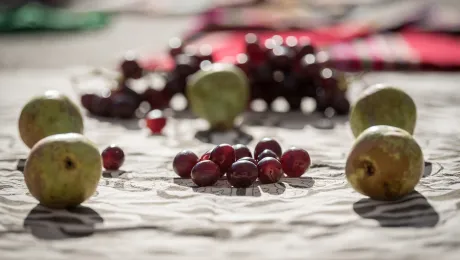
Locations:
(352, 46)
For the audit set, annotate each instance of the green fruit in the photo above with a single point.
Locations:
(383, 105)
(218, 94)
(385, 163)
(63, 170)
(49, 114)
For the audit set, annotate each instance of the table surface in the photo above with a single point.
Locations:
(145, 212)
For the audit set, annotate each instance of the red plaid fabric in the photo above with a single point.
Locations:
(351, 46)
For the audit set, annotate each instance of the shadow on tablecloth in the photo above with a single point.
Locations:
(223, 188)
(411, 211)
(48, 224)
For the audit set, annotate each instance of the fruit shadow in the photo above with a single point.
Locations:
(112, 174)
(49, 224)
(431, 169)
(223, 188)
(234, 136)
(129, 124)
(299, 183)
(411, 211)
(21, 164)
(293, 120)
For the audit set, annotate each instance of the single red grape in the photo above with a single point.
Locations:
(241, 151)
(266, 153)
(270, 170)
(183, 163)
(223, 155)
(156, 99)
(206, 155)
(130, 67)
(113, 157)
(267, 143)
(295, 162)
(242, 174)
(205, 173)
(155, 121)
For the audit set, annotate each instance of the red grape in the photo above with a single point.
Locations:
(242, 174)
(205, 173)
(270, 170)
(295, 162)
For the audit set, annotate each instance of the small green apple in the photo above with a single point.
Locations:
(48, 114)
(383, 105)
(385, 163)
(63, 170)
(218, 93)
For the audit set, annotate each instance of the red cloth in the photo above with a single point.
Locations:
(351, 47)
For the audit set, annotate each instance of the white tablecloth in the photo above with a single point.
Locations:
(145, 212)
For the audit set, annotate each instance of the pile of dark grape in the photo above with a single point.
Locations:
(291, 68)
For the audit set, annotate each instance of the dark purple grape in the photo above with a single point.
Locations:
(123, 107)
(156, 99)
(304, 47)
(103, 107)
(328, 79)
(125, 101)
(326, 89)
(270, 170)
(242, 174)
(267, 143)
(266, 153)
(124, 90)
(292, 91)
(281, 58)
(241, 151)
(205, 173)
(175, 83)
(184, 162)
(309, 67)
(340, 104)
(248, 159)
(87, 100)
(295, 162)
(223, 155)
(185, 65)
(253, 49)
(130, 67)
(97, 105)
(175, 46)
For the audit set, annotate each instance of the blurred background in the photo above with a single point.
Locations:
(57, 33)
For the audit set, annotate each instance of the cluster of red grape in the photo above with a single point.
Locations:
(122, 102)
(242, 169)
(291, 68)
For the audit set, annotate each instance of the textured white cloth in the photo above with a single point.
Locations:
(146, 213)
